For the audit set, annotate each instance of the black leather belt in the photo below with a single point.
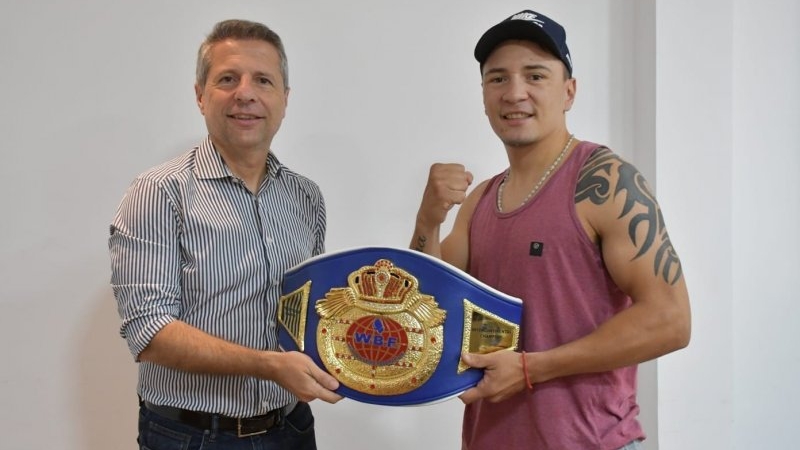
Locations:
(243, 427)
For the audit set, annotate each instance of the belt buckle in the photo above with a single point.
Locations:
(241, 434)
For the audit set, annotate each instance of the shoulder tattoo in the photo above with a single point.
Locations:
(596, 184)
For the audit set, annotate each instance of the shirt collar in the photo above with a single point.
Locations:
(210, 164)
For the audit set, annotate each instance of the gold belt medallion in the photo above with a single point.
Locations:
(380, 335)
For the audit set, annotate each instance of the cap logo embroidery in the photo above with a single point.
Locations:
(530, 17)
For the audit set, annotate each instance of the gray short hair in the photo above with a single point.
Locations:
(239, 30)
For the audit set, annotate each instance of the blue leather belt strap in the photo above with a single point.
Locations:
(390, 324)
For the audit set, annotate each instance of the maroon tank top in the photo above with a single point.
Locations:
(541, 254)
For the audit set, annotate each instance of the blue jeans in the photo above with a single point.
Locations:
(159, 433)
(633, 445)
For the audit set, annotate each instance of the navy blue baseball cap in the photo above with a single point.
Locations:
(528, 26)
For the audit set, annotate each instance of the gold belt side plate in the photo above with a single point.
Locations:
(485, 332)
(292, 310)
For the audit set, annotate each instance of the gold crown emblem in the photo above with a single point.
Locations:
(383, 283)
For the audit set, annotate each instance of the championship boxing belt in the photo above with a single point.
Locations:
(391, 324)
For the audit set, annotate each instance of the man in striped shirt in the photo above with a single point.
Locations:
(199, 246)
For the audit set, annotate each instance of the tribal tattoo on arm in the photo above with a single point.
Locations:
(595, 184)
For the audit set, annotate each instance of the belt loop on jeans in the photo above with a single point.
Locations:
(215, 424)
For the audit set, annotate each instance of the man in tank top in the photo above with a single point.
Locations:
(573, 230)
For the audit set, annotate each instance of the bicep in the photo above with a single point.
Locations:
(631, 230)
(640, 258)
(143, 237)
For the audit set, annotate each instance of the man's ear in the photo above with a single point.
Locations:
(572, 87)
(198, 93)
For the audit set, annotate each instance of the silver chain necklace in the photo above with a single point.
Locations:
(538, 185)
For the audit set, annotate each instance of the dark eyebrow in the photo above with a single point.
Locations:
(538, 67)
(498, 70)
(494, 71)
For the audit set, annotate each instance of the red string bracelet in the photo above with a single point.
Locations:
(525, 370)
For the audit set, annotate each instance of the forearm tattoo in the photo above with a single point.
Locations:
(421, 241)
(594, 184)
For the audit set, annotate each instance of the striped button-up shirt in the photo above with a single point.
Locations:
(190, 242)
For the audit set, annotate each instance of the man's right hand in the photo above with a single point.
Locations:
(184, 347)
(297, 373)
(447, 186)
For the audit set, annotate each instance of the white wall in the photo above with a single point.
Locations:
(766, 220)
(693, 162)
(727, 163)
(96, 92)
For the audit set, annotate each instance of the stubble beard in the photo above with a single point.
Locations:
(518, 142)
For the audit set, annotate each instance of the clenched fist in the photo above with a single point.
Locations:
(447, 186)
